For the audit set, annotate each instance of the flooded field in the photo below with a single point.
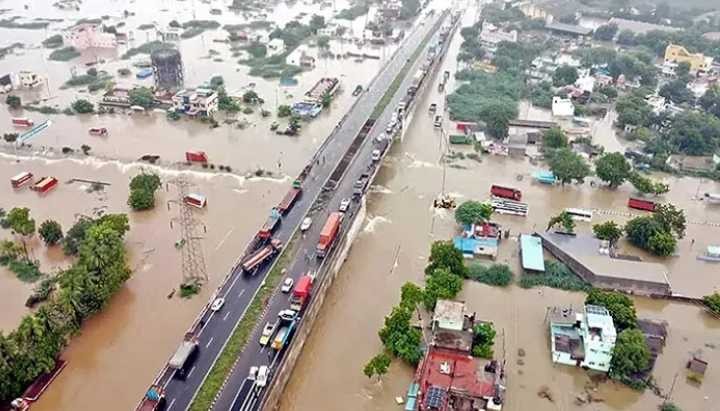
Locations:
(402, 222)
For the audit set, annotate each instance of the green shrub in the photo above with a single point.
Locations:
(496, 274)
(556, 275)
(64, 54)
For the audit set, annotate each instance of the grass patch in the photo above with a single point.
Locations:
(12, 23)
(146, 48)
(253, 25)
(64, 54)
(196, 27)
(188, 290)
(53, 42)
(271, 67)
(496, 274)
(240, 336)
(556, 275)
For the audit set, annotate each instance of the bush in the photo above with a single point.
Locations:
(53, 42)
(189, 289)
(82, 106)
(51, 232)
(25, 270)
(64, 54)
(556, 275)
(496, 274)
(14, 102)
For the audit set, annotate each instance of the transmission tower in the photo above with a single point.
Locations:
(193, 259)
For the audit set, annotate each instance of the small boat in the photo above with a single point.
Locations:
(98, 131)
(712, 198)
(712, 254)
(22, 122)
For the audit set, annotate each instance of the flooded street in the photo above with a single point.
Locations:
(402, 221)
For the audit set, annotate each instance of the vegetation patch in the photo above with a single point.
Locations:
(94, 81)
(361, 8)
(496, 274)
(53, 42)
(197, 27)
(64, 54)
(556, 275)
(12, 23)
(146, 48)
(142, 191)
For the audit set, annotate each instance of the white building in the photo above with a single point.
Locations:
(196, 102)
(562, 107)
(87, 35)
(275, 46)
(492, 35)
(582, 340)
(586, 83)
(29, 79)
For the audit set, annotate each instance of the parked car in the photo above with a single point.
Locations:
(376, 155)
(433, 107)
(287, 315)
(217, 304)
(287, 285)
(438, 122)
(306, 223)
(262, 376)
(344, 204)
(253, 373)
(390, 127)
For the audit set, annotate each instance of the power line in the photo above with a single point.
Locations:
(193, 260)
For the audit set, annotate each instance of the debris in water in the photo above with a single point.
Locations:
(172, 293)
(521, 352)
(544, 392)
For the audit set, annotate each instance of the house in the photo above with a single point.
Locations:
(584, 339)
(479, 239)
(568, 29)
(655, 333)
(533, 11)
(196, 102)
(300, 57)
(683, 162)
(29, 79)
(275, 46)
(585, 84)
(118, 97)
(88, 35)
(171, 34)
(491, 35)
(679, 54)
(696, 368)
(562, 107)
(531, 253)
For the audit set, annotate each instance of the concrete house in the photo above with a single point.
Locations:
(582, 339)
(679, 54)
(194, 102)
(88, 35)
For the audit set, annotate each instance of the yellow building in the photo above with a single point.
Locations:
(679, 54)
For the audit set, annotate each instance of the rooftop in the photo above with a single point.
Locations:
(532, 253)
(598, 317)
(449, 315)
(569, 28)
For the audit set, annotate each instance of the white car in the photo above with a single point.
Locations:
(253, 373)
(262, 376)
(344, 204)
(287, 315)
(438, 122)
(306, 223)
(380, 137)
(267, 332)
(376, 155)
(217, 304)
(287, 285)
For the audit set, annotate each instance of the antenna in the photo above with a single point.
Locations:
(193, 259)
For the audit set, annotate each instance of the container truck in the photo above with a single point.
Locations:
(328, 234)
(261, 256)
(153, 400)
(301, 293)
(271, 224)
(184, 356)
(283, 335)
(289, 199)
(640, 204)
(506, 192)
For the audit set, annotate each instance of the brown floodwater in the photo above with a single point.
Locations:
(393, 249)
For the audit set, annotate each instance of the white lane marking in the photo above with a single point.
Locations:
(226, 315)
(241, 293)
(209, 342)
(191, 371)
(171, 404)
(220, 244)
(233, 282)
(238, 394)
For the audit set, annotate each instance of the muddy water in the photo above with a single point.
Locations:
(402, 222)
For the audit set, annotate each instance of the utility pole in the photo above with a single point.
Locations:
(193, 260)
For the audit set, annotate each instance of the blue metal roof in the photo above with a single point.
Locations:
(544, 176)
(532, 253)
(468, 245)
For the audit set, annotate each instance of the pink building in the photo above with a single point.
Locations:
(87, 35)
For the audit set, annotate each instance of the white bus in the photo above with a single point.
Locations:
(579, 214)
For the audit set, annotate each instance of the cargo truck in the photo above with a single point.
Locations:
(301, 293)
(260, 257)
(270, 225)
(328, 234)
(640, 204)
(289, 199)
(506, 192)
(284, 334)
(184, 356)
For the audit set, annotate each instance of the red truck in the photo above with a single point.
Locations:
(328, 233)
(153, 400)
(289, 199)
(506, 192)
(272, 223)
(196, 157)
(258, 258)
(640, 204)
(301, 293)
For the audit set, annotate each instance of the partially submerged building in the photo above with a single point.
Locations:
(531, 253)
(479, 239)
(196, 102)
(679, 54)
(581, 339)
(88, 35)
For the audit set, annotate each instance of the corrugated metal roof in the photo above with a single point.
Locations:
(532, 253)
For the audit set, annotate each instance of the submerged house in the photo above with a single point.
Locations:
(479, 239)
(581, 339)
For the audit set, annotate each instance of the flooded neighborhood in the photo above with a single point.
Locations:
(336, 180)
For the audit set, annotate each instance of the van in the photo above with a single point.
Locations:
(262, 376)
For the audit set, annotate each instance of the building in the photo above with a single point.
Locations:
(533, 11)
(562, 107)
(531, 253)
(117, 97)
(479, 239)
(491, 35)
(583, 340)
(639, 27)
(196, 102)
(695, 164)
(568, 29)
(275, 46)
(88, 35)
(29, 79)
(679, 54)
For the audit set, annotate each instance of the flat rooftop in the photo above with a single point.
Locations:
(532, 253)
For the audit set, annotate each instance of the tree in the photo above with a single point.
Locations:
(640, 229)
(608, 231)
(378, 365)
(613, 168)
(668, 406)
(662, 244)
(14, 102)
(672, 219)
(82, 106)
(399, 337)
(141, 96)
(443, 254)
(606, 32)
(76, 233)
(316, 23)
(51, 232)
(626, 38)
(568, 166)
(497, 115)
(677, 91)
(410, 295)
(250, 97)
(19, 221)
(483, 340)
(216, 82)
(323, 42)
(441, 284)
(694, 133)
(284, 110)
(564, 220)
(565, 75)
(555, 138)
(630, 356)
(646, 185)
(712, 302)
(683, 70)
(710, 101)
(632, 109)
(620, 306)
(472, 212)
(142, 191)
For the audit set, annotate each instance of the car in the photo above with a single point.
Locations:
(287, 285)
(433, 107)
(267, 333)
(438, 121)
(253, 373)
(390, 127)
(376, 155)
(262, 376)
(380, 137)
(306, 223)
(217, 304)
(344, 204)
(287, 315)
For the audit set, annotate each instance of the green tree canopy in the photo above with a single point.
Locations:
(19, 221)
(613, 168)
(483, 340)
(411, 295)
(399, 337)
(662, 244)
(471, 212)
(609, 231)
(630, 356)
(562, 220)
(620, 306)
(82, 106)
(672, 218)
(14, 102)
(441, 284)
(443, 254)
(284, 110)
(565, 75)
(141, 96)
(646, 185)
(568, 166)
(712, 302)
(606, 32)
(378, 365)
(51, 232)
(555, 138)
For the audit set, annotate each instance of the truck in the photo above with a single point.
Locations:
(45, 184)
(301, 293)
(328, 233)
(154, 399)
(22, 122)
(506, 192)
(261, 256)
(184, 356)
(640, 204)
(283, 335)
(196, 157)
(21, 179)
(289, 199)
(270, 225)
